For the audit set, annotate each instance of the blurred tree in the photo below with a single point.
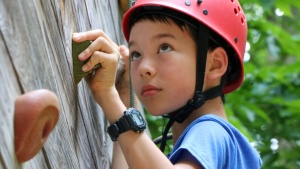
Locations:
(266, 108)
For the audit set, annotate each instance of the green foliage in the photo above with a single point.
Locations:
(266, 108)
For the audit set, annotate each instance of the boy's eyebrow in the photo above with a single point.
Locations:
(158, 36)
(130, 43)
(164, 35)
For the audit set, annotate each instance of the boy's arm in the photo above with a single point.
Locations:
(118, 160)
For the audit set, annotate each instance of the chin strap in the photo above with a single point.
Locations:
(181, 114)
(199, 97)
(195, 103)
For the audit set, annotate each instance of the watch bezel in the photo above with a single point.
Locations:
(136, 127)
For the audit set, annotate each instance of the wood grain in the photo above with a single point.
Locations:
(35, 46)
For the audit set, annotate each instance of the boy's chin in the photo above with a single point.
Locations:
(159, 112)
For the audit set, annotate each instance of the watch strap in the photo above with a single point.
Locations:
(123, 125)
(118, 128)
(113, 131)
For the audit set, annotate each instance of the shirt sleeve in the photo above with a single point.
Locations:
(208, 143)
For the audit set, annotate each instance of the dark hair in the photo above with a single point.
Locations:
(190, 24)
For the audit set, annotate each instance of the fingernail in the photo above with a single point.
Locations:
(81, 56)
(76, 36)
(84, 68)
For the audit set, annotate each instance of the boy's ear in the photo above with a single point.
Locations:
(217, 63)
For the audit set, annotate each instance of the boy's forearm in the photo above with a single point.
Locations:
(141, 152)
(124, 93)
(118, 160)
(133, 145)
(111, 104)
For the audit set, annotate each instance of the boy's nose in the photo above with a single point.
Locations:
(147, 68)
(145, 74)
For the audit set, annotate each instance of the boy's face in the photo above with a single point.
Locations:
(163, 65)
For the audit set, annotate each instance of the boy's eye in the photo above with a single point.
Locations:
(134, 56)
(164, 48)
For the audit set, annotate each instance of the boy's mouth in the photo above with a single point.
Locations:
(149, 90)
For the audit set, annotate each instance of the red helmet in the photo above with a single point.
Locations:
(224, 17)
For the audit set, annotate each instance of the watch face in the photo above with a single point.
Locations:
(137, 119)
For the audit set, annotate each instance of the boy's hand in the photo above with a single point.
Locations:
(104, 51)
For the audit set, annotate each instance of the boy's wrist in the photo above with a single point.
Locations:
(124, 94)
(111, 103)
(102, 96)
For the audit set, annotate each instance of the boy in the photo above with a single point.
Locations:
(184, 56)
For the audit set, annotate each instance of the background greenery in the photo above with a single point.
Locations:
(267, 106)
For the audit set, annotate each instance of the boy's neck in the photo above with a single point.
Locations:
(214, 106)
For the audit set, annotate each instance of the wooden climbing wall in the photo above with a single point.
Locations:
(35, 53)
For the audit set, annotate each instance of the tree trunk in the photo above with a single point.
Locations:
(35, 47)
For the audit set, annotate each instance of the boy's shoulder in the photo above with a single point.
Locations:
(210, 139)
(216, 130)
(212, 128)
(212, 124)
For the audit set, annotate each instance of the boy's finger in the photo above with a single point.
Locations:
(92, 35)
(100, 44)
(124, 51)
(100, 58)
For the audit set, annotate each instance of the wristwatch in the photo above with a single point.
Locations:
(132, 120)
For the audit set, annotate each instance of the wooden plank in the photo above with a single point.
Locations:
(36, 53)
(30, 56)
(9, 90)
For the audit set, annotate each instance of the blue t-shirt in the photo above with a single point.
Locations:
(214, 143)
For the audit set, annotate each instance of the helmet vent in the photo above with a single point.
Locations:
(187, 2)
(199, 1)
(133, 2)
(236, 39)
(235, 11)
(243, 20)
(238, 11)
